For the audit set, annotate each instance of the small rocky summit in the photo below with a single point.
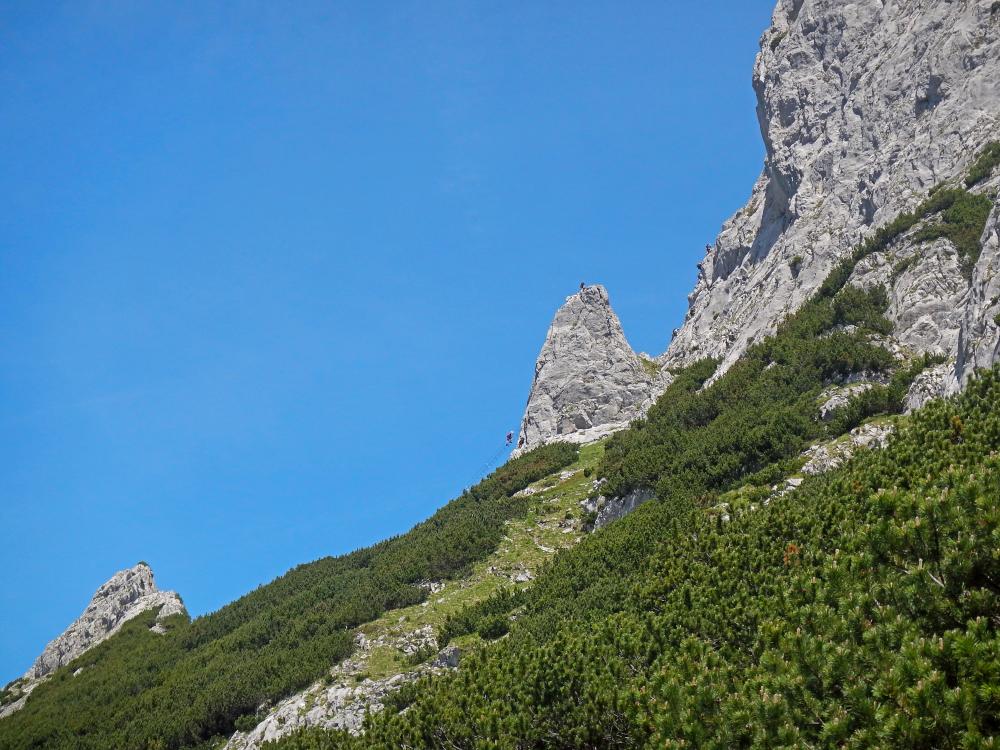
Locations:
(127, 594)
(588, 381)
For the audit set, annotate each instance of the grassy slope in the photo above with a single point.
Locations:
(529, 543)
(580, 671)
(861, 610)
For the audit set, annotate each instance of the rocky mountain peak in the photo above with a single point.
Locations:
(863, 107)
(127, 594)
(588, 381)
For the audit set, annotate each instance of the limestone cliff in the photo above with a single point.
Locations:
(864, 107)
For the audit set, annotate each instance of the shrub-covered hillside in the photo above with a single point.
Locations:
(860, 610)
(139, 690)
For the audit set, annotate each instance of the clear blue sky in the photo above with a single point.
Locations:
(274, 275)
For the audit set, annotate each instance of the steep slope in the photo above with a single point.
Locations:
(402, 645)
(192, 683)
(126, 595)
(864, 107)
(588, 381)
(749, 606)
(760, 587)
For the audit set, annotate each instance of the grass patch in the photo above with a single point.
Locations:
(652, 368)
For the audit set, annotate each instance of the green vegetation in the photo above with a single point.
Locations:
(861, 610)
(761, 411)
(652, 368)
(963, 218)
(777, 39)
(140, 690)
(796, 264)
(962, 223)
(528, 543)
(988, 158)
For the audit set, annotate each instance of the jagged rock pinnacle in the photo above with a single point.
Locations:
(588, 381)
(864, 107)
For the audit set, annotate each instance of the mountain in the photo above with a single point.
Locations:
(126, 595)
(781, 532)
(864, 107)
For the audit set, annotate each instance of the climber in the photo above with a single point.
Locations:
(510, 437)
(582, 286)
(708, 249)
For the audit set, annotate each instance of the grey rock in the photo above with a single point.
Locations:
(864, 106)
(930, 384)
(979, 337)
(612, 508)
(837, 398)
(124, 596)
(448, 658)
(342, 700)
(827, 456)
(588, 381)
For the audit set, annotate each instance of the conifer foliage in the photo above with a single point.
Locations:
(143, 691)
(861, 610)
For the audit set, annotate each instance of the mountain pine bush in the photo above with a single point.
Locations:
(861, 610)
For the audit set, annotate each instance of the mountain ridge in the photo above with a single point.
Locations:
(863, 108)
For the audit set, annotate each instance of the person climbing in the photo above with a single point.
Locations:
(521, 441)
(708, 249)
(582, 286)
(510, 437)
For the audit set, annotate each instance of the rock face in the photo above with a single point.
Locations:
(864, 106)
(828, 456)
(979, 336)
(126, 595)
(588, 381)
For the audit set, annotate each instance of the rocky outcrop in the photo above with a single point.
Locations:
(828, 456)
(609, 509)
(863, 106)
(588, 381)
(348, 694)
(979, 337)
(126, 595)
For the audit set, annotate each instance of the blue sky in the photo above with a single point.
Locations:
(274, 275)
